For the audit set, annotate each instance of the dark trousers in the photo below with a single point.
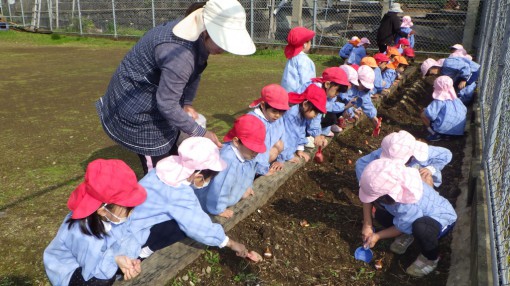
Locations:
(164, 234)
(329, 119)
(147, 165)
(77, 280)
(426, 231)
(382, 47)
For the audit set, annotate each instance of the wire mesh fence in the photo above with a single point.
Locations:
(438, 23)
(494, 55)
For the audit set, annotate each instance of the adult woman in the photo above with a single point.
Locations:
(150, 95)
(389, 28)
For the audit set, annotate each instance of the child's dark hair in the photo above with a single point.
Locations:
(386, 199)
(93, 224)
(193, 7)
(341, 88)
(313, 108)
(208, 173)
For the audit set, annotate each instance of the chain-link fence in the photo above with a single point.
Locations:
(494, 55)
(438, 23)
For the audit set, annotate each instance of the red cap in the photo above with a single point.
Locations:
(314, 94)
(409, 52)
(404, 41)
(106, 181)
(251, 131)
(355, 66)
(297, 37)
(274, 95)
(380, 57)
(333, 74)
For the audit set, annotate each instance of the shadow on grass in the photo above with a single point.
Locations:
(112, 152)
(15, 280)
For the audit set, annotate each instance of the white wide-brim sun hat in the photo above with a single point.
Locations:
(225, 22)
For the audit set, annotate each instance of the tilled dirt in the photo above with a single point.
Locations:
(326, 196)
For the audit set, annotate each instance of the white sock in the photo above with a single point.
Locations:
(431, 131)
(146, 252)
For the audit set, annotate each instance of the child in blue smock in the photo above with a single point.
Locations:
(269, 108)
(366, 77)
(466, 94)
(429, 160)
(378, 81)
(359, 52)
(309, 104)
(405, 27)
(408, 208)
(458, 69)
(345, 51)
(347, 96)
(394, 70)
(171, 200)
(333, 81)
(446, 114)
(86, 248)
(299, 69)
(243, 142)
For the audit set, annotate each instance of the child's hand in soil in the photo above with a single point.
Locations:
(228, 213)
(320, 141)
(366, 232)
(371, 240)
(239, 248)
(249, 192)
(254, 256)
(301, 154)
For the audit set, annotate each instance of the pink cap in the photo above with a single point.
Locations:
(297, 37)
(352, 74)
(366, 76)
(469, 57)
(427, 64)
(333, 74)
(274, 95)
(457, 47)
(406, 22)
(106, 181)
(389, 177)
(443, 88)
(195, 153)
(459, 53)
(440, 62)
(404, 41)
(251, 131)
(364, 41)
(402, 145)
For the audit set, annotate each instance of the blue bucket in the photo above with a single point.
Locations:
(363, 254)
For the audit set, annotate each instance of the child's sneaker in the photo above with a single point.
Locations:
(421, 266)
(401, 243)
(310, 143)
(434, 137)
(336, 129)
(377, 129)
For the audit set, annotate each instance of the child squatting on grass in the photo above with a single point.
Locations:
(407, 208)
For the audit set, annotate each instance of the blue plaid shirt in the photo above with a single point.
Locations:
(456, 68)
(447, 116)
(142, 107)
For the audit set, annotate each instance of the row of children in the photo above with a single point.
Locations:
(453, 91)
(114, 219)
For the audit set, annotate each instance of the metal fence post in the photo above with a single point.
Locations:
(50, 13)
(114, 20)
(9, 7)
(79, 16)
(314, 21)
(56, 14)
(469, 28)
(22, 12)
(251, 18)
(153, 14)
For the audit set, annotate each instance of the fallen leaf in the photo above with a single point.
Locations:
(304, 223)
